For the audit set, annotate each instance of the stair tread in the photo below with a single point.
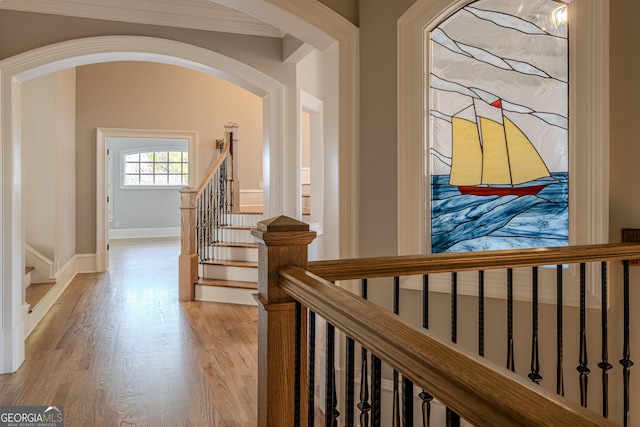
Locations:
(228, 283)
(248, 211)
(235, 244)
(28, 270)
(236, 227)
(35, 292)
(231, 263)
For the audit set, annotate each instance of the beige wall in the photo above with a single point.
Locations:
(624, 199)
(378, 125)
(347, 8)
(143, 95)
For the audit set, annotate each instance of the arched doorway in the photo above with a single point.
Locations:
(33, 64)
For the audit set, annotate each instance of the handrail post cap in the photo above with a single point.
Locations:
(283, 230)
(282, 224)
(188, 189)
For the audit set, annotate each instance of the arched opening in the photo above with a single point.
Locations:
(40, 62)
(331, 33)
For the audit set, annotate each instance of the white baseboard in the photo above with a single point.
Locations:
(86, 263)
(63, 278)
(137, 233)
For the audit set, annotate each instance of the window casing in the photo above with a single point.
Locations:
(155, 168)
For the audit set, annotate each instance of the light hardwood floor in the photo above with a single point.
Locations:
(118, 349)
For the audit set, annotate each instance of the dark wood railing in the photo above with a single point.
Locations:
(293, 293)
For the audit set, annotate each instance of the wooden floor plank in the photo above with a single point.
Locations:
(118, 348)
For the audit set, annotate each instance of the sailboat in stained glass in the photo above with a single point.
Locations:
(492, 156)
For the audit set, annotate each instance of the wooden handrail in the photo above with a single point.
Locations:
(474, 388)
(221, 157)
(362, 268)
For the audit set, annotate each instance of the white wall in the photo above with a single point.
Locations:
(65, 137)
(38, 150)
(48, 157)
(318, 82)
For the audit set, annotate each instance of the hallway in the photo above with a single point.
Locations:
(119, 349)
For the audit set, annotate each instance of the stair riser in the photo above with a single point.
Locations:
(228, 253)
(26, 280)
(225, 295)
(240, 274)
(226, 235)
(243, 220)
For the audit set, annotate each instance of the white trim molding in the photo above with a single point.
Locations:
(143, 233)
(102, 215)
(588, 132)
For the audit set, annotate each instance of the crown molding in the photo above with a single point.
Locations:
(192, 14)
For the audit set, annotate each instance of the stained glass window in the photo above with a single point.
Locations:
(498, 97)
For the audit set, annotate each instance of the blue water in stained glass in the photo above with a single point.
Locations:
(476, 223)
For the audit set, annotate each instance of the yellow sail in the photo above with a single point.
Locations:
(526, 164)
(466, 162)
(495, 169)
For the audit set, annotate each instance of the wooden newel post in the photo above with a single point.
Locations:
(282, 241)
(188, 260)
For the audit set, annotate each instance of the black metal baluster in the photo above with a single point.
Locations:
(453, 419)
(426, 408)
(396, 394)
(559, 308)
(199, 229)
(626, 350)
(604, 364)
(426, 397)
(207, 219)
(364, 405)
(350, 386)
(311, 369)
(583, 360)
(407, 402)
(535, 360)
(331, 411)
(296, 365)
(481, 313)
(407, 385)
(215, 213)
(376, 390)
(510, 359)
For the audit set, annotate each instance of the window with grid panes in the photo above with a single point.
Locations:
(160, 168)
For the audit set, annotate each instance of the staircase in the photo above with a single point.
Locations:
(35, 292)
(228, 268)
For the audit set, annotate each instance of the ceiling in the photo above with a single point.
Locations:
(194, 14)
